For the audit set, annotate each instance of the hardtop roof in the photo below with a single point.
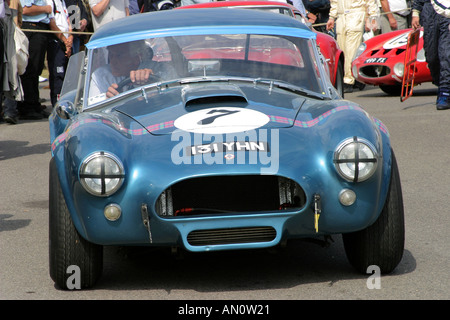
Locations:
(193, 21)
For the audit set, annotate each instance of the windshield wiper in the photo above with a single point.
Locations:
(159, 86)
(289, 87)
(267, 81)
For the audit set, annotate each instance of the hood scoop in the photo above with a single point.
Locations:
(198, 97)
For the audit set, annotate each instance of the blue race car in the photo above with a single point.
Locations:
(214, 130)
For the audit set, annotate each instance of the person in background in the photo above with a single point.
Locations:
(12, 19)
(37, 15)
(58, 53)
(134, 7)
(104, 11)
(3, 32)
(436, 43)
(395, 15)
(300, 6)
(350, 16)
(3, 22)
(16, 8)
(78, 17)
(2, 41)
(320, 9)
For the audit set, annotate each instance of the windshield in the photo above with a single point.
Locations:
(193, 58)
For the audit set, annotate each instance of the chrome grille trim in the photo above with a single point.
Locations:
(374, 71)
(231, 236)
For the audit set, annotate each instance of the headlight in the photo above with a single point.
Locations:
(399, 69)
(101, 174)
(355, 71)
(355, 159)
(360, 50)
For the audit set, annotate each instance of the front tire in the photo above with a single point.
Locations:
(382, 243)
(66, 246)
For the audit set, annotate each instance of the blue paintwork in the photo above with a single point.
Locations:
(199, 21)
(305, 151)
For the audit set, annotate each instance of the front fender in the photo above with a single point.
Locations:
(328, 125)
(68, 153)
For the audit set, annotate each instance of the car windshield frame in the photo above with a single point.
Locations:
(296, 35)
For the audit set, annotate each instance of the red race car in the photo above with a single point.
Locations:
(328, 46)
(380, 61)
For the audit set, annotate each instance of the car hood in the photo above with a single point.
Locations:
(213, 109)
(392, 40)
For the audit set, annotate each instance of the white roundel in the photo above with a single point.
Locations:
(221, 120)
(442, 7)
(398, 41)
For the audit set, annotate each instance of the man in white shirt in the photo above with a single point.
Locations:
(395, 15)
(104, 11)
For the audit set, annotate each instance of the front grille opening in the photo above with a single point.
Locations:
(374, 71)
(230, 194)
(231, 236)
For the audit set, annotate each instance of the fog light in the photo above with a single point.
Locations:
(347, 197)
(112, 212)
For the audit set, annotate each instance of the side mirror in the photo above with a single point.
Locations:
(65, 109)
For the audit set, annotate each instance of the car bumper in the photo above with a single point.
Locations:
(383, 74)
(238, 230)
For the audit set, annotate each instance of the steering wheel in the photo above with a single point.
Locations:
(127, 81)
